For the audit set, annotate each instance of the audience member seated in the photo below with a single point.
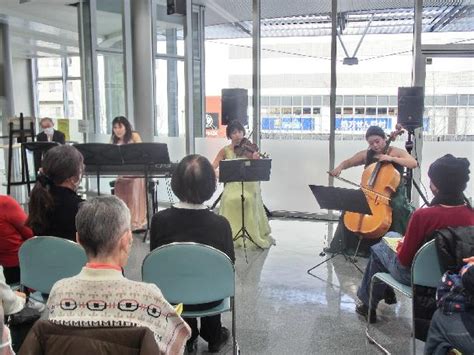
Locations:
(448, 179)
(10, 302)
(100, 296)
(193, 182)
(13, 233)
(53, 201)
(452, 326)
(49, 134)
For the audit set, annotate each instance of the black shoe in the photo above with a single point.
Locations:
(215, 348)
(363, 310)
(389, 296)
(191, 346)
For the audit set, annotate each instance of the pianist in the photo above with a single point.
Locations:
(54, 202)
(129, 189)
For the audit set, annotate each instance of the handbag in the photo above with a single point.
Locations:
(20, 324)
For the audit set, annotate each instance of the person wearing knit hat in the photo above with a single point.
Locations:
(401, 208)
(448, 180)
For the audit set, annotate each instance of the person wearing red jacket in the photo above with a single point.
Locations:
(448, 180)
(13, 233)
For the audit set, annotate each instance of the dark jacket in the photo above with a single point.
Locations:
(62, 218)
(58, 136)
(453, 244)
(48, 338)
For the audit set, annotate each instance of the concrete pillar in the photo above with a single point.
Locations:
(143, 68)
(6, 89)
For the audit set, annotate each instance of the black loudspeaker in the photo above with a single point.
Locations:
(176, 7)
(234, 106)
(410, 107)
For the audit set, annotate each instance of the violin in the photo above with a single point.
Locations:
(379, 181)
(247, 149)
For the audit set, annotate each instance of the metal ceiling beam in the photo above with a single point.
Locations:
(448, 17)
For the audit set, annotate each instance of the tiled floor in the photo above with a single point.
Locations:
(281, 309)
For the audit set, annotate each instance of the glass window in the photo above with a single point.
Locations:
(338, 111)
(371, 111)
(296, 101)
(307, 100)
(297, 110)
(50, 91)
(286, 101)
(170, 111)
(393, 100)
(338, 100)
(360, 110)
(316, 110)
(392, 111)
(306, 110)
(274, 100)
(452, 100)
(382, 110)
(440, 100)
(383, 100)
(463, 100)
(359, 100)
(111, 89)
(74, 96)
(348, 111)
(286, 110)
(371, 100)
(109, 24)
(265, 101)
(73, 67)
(169, 38)
(348, 100)
(274, 110)
(49, 67)
(429, 100)
(317, 100)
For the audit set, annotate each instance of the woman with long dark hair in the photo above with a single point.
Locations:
(130, 190)
(54, 202)
(256, 221)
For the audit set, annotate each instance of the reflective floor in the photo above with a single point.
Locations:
(281, 309)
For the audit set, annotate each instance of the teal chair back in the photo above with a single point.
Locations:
(426, 269)
(45, 260)
(190, 273)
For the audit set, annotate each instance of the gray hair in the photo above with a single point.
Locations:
(100, 223)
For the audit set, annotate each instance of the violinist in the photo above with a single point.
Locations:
(256, 220)
(401, 208)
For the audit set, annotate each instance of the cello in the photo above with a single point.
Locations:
(379, 181)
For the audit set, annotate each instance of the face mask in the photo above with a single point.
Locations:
(49, 131)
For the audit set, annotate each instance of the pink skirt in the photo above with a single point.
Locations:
(132, 192)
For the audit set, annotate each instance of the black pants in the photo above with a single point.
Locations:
(210, 326)
(12, 274)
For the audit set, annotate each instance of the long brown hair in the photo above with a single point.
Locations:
(59, 164)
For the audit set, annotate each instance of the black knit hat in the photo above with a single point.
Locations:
(374, 131)
(450, 174)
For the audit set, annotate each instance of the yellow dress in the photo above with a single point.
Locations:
(256, 220)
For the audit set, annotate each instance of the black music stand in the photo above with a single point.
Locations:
(244, 170)
(338, 198)
(140, 157)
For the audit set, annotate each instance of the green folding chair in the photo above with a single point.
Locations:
(45, 260)
(425, 271)
(193, 273)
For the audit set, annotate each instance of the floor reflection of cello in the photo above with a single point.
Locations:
(379, 181)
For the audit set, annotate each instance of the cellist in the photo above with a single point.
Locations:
(401, 208)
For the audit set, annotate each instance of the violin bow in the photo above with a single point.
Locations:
(360, 187)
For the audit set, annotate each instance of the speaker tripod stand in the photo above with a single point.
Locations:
(243, 232)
